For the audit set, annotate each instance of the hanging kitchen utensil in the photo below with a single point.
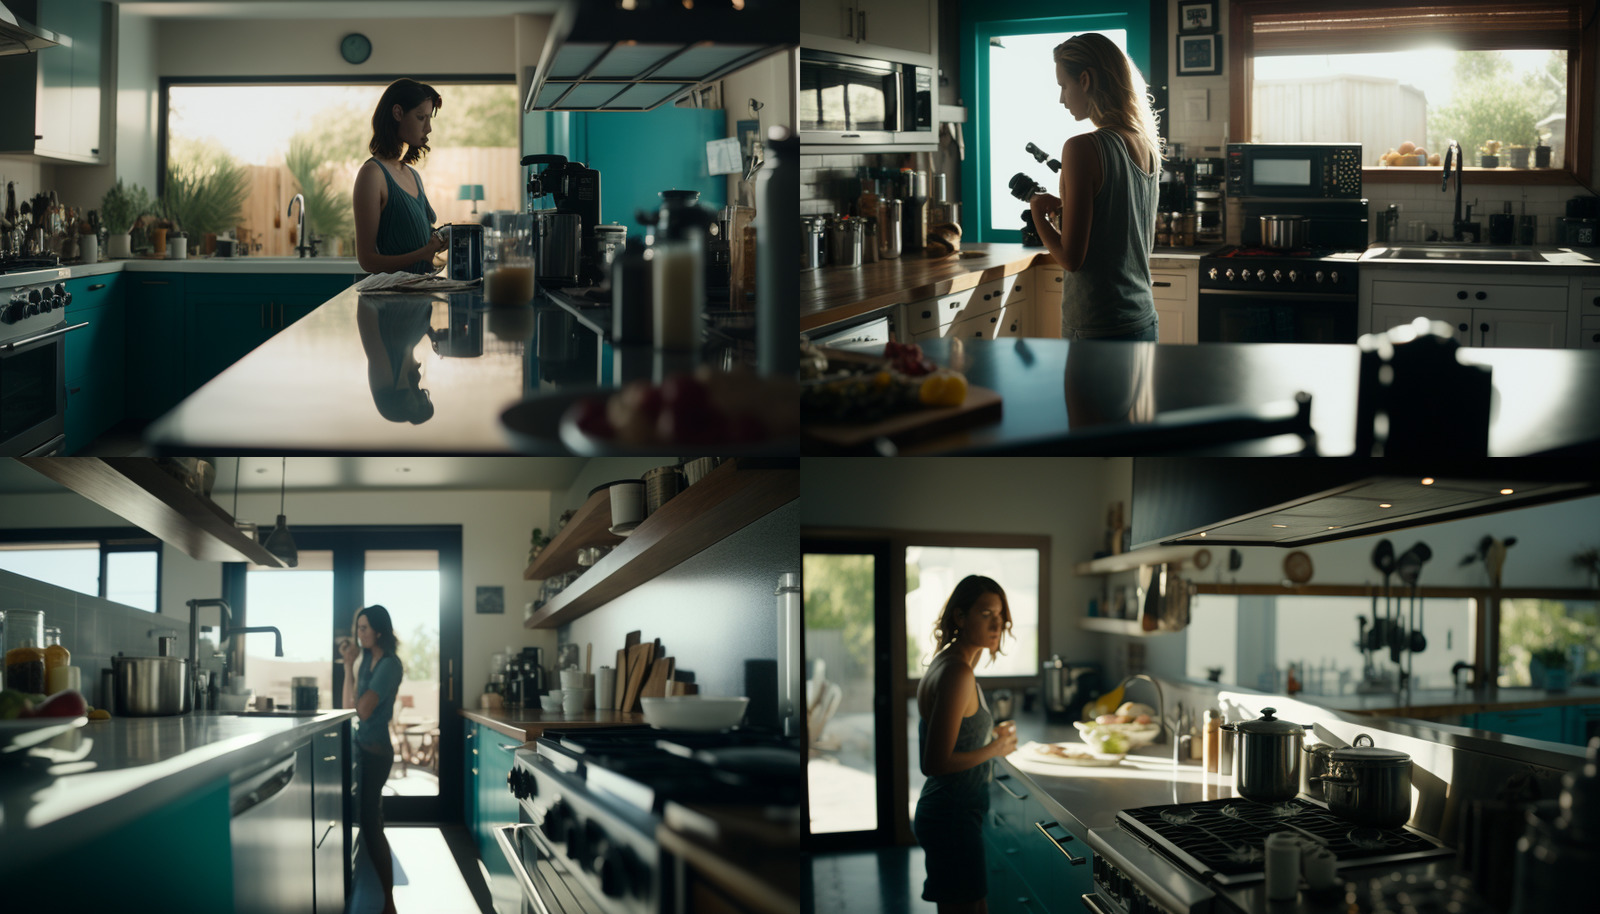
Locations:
(1202, 559)
(1177, 594)
(1297, 567)
(1409, 567)
(1151, 580)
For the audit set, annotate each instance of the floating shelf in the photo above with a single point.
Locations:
(729, 498)
(1129, 561)
(590, 526)
(1114, 626)
(138, 490)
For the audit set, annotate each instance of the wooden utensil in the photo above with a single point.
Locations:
(656, 685)
(588, 656)
(639, 658)
(622, 680)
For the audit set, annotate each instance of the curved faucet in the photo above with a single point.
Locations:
(305, 245)
(225, 632)
(1161, 704)
(1457, 225)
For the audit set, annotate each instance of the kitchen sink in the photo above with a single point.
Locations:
(1445, 252)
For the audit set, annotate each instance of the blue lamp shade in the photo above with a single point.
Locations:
(473, 192)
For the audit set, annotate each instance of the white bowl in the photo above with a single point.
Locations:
(574, 700)
(227, 702)
(693, 712)
(1136, 734)
(550, 703)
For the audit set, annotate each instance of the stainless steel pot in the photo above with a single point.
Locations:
(1284, 233)
(1266, 758)
(1314, 765)
(151, 686)
(844, 242)
(889, 224)
(1369, 786)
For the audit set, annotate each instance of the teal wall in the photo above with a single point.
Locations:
(980, 21)
(639, 154)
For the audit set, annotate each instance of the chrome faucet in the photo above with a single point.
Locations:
(1161, 704)
(1457, 225)
(226, 632)
(306, 244)
(258, 629)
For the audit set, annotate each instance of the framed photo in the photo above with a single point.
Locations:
(1197, 15)
(1199, 55)
(491, 600)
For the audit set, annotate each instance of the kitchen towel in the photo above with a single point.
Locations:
(413, 282)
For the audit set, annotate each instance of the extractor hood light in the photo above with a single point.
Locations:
(1505, 491)
(1280, 525)
(1202, 534)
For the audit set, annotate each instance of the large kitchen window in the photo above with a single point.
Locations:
(123, 569)
(262, 144)
(1500, 77)
(1537, 634)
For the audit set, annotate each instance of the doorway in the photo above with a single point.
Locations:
(414, 573)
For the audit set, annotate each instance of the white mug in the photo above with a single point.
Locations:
(627, 503)
(178, 247)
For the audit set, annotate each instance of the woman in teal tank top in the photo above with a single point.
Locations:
(958, 740)
(394, 221)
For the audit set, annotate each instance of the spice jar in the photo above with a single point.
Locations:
(57, 661)
(25, 650)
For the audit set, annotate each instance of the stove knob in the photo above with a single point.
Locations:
(616, 875)
(1245, 275)
(1213, 273)
(1334, 277)
(574, 838)
(595, 844)
(1229, 274)
(1261, 276)
(60, 289)
(1277, 276)
(1294, 275)
(66, 299)
(13, 312)
(33, 308)
(34, 295)
(1318, 277)
(554, 820)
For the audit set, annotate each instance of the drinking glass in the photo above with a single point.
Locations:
(511, 282)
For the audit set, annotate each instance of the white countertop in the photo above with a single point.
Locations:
(243, 266)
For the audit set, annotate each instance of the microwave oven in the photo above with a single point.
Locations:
(858, 101)
(1317, 171)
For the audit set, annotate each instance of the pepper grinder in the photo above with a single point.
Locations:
(916, 209)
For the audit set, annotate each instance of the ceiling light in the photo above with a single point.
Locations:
(279, 542)
(1280, 525)
(1385, 506)
(1427, 480)
(1333, 528)
(1505, 491)
(1202, 534)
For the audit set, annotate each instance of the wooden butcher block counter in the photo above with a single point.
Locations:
(833, 294)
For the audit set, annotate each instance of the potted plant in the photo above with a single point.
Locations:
(120, 210)
(1541, 153)
(1552, 663)
(204, 192)
(1490, 154)
(328, 212)
(1519, 155)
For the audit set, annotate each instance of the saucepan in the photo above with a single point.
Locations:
(1284, 233)
(1369, 786)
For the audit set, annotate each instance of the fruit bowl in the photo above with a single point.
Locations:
(1135, 735)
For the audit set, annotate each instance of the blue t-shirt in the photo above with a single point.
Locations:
(372, 734)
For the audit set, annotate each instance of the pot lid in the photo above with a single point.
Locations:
(1371, 756)
(1269, 724)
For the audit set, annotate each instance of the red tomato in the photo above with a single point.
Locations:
(67, 703)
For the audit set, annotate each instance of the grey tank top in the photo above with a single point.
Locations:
(963, 789)
(1110, 294)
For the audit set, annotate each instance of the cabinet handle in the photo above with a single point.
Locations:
(1075, 861)
(1484, 329)
(330, 758)
(509, 747)
(1462, 295)
(451, 678)
(334, 733)
(1014, 795)
(863, 29)
(927, 314)
(849, 22)
(1482, 296)
(94, 152)
(1596, 301)
(96, 287)
(1163, 285)
(1463, 327)
(74, 390)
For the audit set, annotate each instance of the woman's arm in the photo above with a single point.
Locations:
(944, 722)
(351, 655)
(367, 203)
(1080, 173)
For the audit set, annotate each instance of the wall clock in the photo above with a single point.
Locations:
(356, 47)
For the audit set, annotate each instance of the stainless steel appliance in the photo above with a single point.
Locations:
(558, 244)
(575, 190)
(1295, 170)
(1253, 295)
(849, 100)
(463, 251)
(33, 359)
(272, 864)
(590, 802)
(1066, 687)
(1189, 858)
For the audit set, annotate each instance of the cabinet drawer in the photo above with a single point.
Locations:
(1016, 319)
(1589, 301)
(979, 327)
(933, 313)
(1170, 286)
(92, 407)
(90, 292)
(1454, 293)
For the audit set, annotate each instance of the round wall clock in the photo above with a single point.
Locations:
(356, 47)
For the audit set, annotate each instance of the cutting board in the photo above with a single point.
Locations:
(660, 673)
(639, 658)
(622, 680)
(981, 408)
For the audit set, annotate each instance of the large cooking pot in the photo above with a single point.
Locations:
(1314, 765)
(1285, 233)
(1266, 758)
(1369, 786)
(150, 686)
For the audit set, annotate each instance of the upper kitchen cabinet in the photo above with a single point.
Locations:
(856, 26)
(54, 95)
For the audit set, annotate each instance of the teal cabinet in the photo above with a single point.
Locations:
(230, 316)
(155, 343)
(96, 358)
(1042, 867)
(1530, 723)
(54, 111)
(495, 806)
(1580, 723)
(469, 805)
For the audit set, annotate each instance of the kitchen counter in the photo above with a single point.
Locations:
(833, 294)
(1063, 397)
(527, 725)
(1447, 703)
(90, 781)
(239, 265)
(1555, 259)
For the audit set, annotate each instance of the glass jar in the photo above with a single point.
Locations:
(57, 661)
(25, 650)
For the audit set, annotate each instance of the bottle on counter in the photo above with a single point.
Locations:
(1213, 739)
(867, 203)
(57, 662)
(1294, 681)
(25, 650)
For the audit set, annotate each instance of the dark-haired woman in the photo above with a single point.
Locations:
(394, 221)
(958, 740)
(371, 690)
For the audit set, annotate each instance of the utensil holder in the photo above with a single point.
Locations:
(660, 484)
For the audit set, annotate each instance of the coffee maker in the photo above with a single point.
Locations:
(525, 679)
(576, 190)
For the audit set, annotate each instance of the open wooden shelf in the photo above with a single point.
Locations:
(138, 490)
(591, 526)
(1129, 561)
(1113, 626)
(729, 498)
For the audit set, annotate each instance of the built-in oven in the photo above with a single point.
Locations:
(849, 100)
(33, 382)
(545, 877)
(1252, 295)
(1297, 170)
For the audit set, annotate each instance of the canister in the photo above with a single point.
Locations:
(813, 242)
(660, 484)
(889, 229)
(844, 241)
(869, 239)
(305, 692)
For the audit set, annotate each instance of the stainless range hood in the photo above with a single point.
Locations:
(18, 36)
(636, 55)
(1257, 502)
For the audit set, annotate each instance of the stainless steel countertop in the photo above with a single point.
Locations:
(85, 783)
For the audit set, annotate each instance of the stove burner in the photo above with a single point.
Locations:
(1367, 838)
(1267, 252)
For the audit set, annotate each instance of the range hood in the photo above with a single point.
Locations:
(636, 55)
(1258, 502)
(18, 36)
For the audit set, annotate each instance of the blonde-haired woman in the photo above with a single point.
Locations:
(1107, 205)
(959, 739)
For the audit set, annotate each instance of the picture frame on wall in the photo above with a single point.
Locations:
(1199, 55)
(1196, 16)
(491, 600)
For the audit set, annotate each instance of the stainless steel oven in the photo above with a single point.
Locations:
(851, 100)
(33, 371)
(1253, 296)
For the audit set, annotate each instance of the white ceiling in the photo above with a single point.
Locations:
(335, 9)
(539, 474)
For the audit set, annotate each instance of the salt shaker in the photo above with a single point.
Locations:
(1320, 868)
(1283, 866)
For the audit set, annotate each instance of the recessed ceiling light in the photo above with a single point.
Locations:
(1280, 525)
(1427, 480)
(1333, 528)
(1505, 491)
(402, 469)
(1385, 506)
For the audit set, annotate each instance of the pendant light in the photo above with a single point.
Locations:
(279, 542)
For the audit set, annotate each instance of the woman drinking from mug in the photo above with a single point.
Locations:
(394, 220)
(959, 739)
(1107, 206)
(371, 690)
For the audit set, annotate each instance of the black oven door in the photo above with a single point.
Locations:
(33, 393)
(1268, 317)
(546, 878)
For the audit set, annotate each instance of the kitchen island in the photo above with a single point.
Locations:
(1062, 397)
(77, 802)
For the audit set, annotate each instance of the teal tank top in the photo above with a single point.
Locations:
(967, 789)
(1110, 294)
(406, 221)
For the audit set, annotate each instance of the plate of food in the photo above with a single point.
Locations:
(1070, 754)
(852, 398)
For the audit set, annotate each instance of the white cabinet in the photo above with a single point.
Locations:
(53, 96)
(901, 25)
(1528, 315)
(999, 307)
(1047, 282)
(1175, 285)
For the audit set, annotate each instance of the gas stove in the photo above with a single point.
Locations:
(1309, 270)
(591, 800)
